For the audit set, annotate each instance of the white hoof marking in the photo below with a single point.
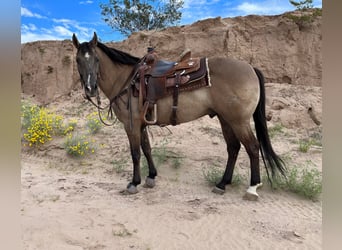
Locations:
(251, 193)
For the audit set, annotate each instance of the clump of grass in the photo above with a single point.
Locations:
(316, 137)
(176, 162)
(237, 179)
(121, 233)
(78, 145)
(301, 180)
(162, 155)
(93, 123)
(214, 175)
(119, 165)
(307, 183)
(304, 145)
(39, 124)
(275, 130)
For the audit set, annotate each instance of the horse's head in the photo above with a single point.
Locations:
(87, 64)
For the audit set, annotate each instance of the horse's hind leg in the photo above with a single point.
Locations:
(146, 147)
(245, 134)
(233, 148)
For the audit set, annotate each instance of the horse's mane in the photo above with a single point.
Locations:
(118, 56)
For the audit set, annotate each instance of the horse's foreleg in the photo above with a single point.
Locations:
(146, 147)
(134, 142)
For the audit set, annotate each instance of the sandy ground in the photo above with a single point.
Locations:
(69, 203)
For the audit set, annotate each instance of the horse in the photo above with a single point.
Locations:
(235, 95)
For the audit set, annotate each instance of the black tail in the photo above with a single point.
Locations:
(270, 158)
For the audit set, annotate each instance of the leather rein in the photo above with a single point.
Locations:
(99, 108)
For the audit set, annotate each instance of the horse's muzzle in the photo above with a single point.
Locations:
(90, 91)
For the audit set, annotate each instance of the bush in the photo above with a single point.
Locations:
(78, 145)
(39, 124)
(93, 123)
(301, 180)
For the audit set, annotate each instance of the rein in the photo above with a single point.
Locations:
(99, 108)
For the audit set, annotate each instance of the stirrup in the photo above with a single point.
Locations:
(154, 121)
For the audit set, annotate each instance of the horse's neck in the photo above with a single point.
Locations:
(113, 77)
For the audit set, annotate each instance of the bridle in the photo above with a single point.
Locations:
(99, 108)
(124, 91)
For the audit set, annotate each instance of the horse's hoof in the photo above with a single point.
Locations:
(131, 189)
(149, 183)
(251, 196)
(251, 193)
(217, 190)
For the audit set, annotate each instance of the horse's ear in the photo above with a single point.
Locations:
(94, 40)
(75, 41)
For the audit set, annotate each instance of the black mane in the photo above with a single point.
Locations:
(118, 56)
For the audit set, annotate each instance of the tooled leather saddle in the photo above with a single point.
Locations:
(157, 79)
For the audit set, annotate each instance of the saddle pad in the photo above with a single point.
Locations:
(193, 80)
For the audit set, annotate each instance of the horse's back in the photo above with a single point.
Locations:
(232, 70)
(235, 87)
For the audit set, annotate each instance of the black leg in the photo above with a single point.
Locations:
(146, 147)
(233, 148)
(248, 139)
(134, 138)
(253, 152)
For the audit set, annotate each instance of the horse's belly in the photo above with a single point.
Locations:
(191, 105)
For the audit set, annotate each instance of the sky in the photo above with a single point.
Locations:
(59, 19)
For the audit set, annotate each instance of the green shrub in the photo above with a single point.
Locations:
(78, 145)
(301, 180)
(304, 145)
(276, 129)
(307, 183)
(214, 175)
(93, 123)
(119, 165)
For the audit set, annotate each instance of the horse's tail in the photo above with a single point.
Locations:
(270, 158)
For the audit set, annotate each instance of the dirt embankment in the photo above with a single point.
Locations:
(275, 44)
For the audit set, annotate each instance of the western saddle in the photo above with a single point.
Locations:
(156, 79)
